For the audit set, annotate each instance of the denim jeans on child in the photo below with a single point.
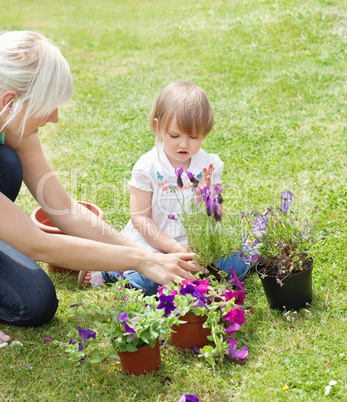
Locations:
(138, 281)
(27, 295)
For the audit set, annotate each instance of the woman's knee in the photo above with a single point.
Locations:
(34, 306)
(40, 309)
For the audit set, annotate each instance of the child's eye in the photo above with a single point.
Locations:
(173, 136)
(193, 138)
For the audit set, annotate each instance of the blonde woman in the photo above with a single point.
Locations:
(34, 80)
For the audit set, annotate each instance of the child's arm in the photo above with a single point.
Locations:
(140, 212)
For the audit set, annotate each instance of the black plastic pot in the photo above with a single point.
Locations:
(296, 292)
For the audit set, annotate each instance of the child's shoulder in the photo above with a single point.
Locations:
(207, 158)
(146, 160)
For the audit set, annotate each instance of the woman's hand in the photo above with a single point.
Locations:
(166, 268)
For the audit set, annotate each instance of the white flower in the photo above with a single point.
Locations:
(328, 387)
(327, 390)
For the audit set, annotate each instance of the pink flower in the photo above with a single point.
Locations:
(237, 294)
(161, 288)
(236, 354)
(236, 318)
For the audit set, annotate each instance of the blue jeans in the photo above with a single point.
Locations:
(138, 281)
(27, 295)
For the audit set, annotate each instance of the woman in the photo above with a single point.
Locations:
(34, 79)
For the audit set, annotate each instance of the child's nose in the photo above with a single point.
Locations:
(184, 141)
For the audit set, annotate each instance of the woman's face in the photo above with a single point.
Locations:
(32, 124)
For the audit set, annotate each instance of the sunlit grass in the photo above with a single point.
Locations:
(275, 73)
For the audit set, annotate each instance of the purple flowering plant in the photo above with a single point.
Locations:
(283, 236)
(124, 320)
(212, 234)
(221, 304)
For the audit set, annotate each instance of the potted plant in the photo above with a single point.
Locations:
(127, 325)
(209, 313)
(283, 238)
(214, 236)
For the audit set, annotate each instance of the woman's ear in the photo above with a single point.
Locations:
(7, 99)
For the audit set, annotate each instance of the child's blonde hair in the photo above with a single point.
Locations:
(186, 102)
(35, 69)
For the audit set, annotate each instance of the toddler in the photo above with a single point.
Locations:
(181, 119)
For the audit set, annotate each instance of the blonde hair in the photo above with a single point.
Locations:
(186, 102)
(35, 69)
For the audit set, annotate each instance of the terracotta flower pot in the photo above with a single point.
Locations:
(42, 222)
(192, 333)
(295, 293)
(143, 360)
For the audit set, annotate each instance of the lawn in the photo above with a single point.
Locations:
(275, 73)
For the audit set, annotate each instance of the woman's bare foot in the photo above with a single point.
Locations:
(4, 337)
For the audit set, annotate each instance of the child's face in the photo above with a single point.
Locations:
(180, 147)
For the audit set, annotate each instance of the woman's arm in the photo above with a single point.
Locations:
(19, 231)
(141, 212)
(93, 245)
(64, 212)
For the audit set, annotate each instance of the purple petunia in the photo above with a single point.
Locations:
(188, 398)
(48, 339)
(287, 198)
(86, 334)
(195, 292)
(123, 317)
(236, 354)
(167, 303)
(179, 172)
(130, 331)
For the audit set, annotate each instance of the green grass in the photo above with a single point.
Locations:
(275, 73)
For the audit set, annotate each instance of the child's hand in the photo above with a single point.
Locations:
(207, 174)
(206, 178)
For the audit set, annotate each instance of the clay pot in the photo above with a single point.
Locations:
(192, 333)
(143, 360)
(42, 222)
